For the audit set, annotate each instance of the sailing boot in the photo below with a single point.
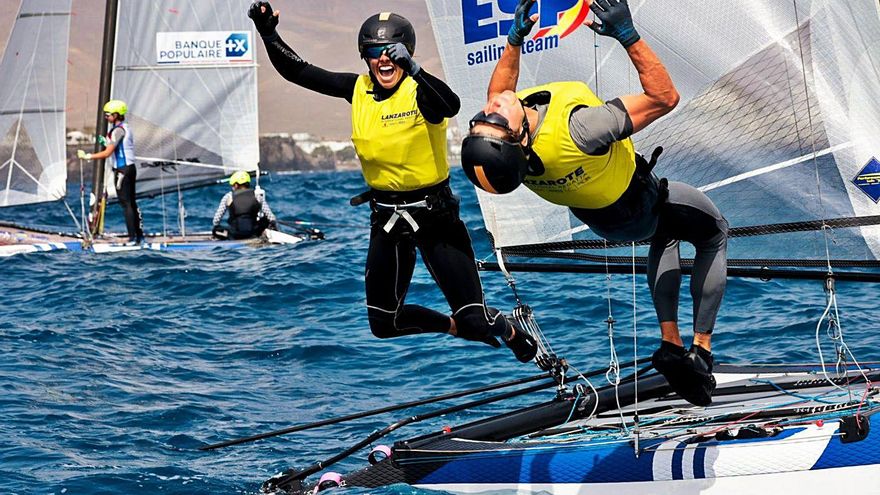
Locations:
(700, 381)
(668, 361)
(521, 343)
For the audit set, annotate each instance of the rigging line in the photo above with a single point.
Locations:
(635, 352)
(812, 132)
(747, 231)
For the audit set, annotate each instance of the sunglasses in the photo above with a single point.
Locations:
(497, 120)
(374, 51)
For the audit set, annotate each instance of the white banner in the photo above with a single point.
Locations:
(204, 47)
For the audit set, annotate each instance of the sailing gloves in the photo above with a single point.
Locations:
(401, 57)
(616, 20)
(265, 19)
(82, 155)
(522, 23)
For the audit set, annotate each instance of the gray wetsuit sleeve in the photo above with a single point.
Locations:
(593, 129)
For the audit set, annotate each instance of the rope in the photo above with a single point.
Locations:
(687, 262)
(635, 354)
(749, 231)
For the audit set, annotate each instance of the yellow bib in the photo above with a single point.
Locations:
(399, 150)
(571, 177)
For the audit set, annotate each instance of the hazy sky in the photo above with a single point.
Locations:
(321, 31)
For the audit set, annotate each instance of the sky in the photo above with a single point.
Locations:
(323, 32)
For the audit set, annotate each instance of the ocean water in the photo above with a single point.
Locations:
(115, 369)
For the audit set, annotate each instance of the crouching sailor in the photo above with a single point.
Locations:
(249, 213)
(573, 149)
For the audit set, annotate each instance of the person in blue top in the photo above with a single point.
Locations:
(119, 150)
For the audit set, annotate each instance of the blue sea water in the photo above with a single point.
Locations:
(115, 369)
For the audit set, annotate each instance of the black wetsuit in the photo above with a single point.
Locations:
(442, 238)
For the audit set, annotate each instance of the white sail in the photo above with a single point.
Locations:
(33, 81)
(777, 123)
(188, 72)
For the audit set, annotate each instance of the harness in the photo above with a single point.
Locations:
(404, 204)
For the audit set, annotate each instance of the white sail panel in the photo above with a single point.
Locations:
(771, 101)
(33, 81)
(188, 72)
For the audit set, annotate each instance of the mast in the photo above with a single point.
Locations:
(99, 194)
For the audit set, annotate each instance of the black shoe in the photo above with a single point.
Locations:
(688, 373)
(667, 360)
(701, 382)
(521, 343)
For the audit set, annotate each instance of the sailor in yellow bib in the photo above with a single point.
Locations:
(573, 149)
(399, 115)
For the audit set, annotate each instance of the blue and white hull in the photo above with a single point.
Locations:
(770, 429)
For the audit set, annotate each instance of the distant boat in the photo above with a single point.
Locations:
(189, 77)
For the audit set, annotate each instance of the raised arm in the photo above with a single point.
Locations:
(435, 98)
(290, 65)
(659, 95)
(506, 73)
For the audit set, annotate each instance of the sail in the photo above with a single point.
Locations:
(33, 80)
(188, 72)
(778, 119)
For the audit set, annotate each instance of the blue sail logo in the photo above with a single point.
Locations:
(237, 45)
(868, 179)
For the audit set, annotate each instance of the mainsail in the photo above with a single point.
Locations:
(188, 72)
(33, 81)
(778, 120)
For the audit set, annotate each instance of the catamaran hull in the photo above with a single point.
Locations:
(771, 429)
(818, 482)
(811, 458)
(18, 240)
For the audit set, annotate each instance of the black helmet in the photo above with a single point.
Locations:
(494, 164)
(387, 28)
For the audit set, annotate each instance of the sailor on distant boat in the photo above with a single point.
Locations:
(573, 149)
(119, 150)
(399, 114)
(249, 213)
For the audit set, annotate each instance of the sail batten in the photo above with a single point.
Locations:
(780, 103)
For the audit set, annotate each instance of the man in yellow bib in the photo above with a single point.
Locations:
(399, 114)
(573, 149)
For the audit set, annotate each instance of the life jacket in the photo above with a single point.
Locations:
(243, 212)
(571, 177)
(123, 154)
(399, 150)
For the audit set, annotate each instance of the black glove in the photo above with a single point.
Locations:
(273, 225)
(401, 57)
(616, 20)
(522, 23)
(264, 18)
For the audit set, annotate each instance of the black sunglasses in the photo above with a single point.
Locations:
(497, 120)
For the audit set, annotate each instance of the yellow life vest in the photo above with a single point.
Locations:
(571, 177)
(399, 150)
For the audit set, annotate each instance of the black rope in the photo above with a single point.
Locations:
(759, 262)
(749, 231)
(759, 273)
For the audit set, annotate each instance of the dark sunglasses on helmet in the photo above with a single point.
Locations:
(374, 51)
(497, 120)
